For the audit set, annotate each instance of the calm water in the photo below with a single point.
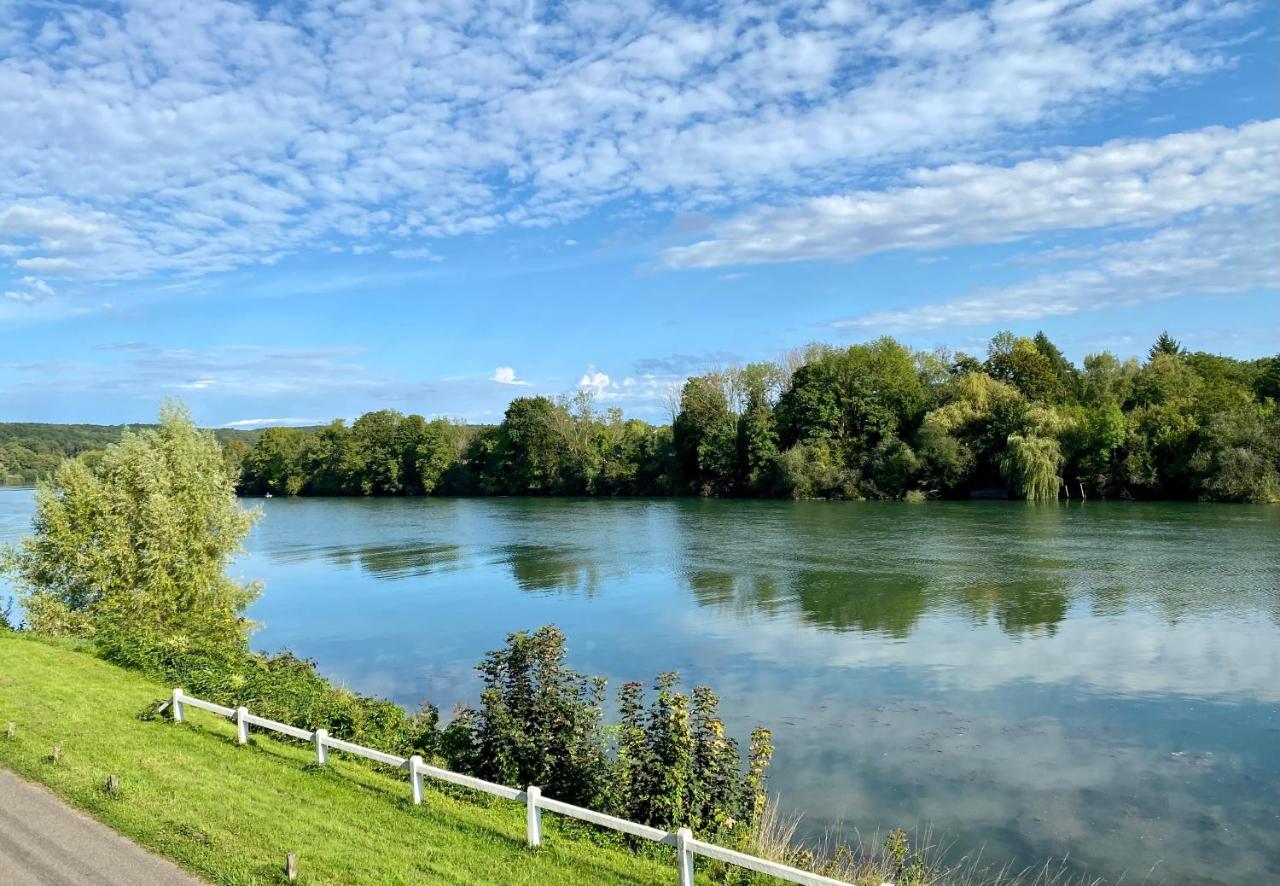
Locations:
(1099, 681)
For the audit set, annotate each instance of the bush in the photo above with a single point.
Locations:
(676, 767)
(287, 688)
(539, 722)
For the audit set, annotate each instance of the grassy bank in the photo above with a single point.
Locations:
(230, 814)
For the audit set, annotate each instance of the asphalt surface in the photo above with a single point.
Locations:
(43, 841)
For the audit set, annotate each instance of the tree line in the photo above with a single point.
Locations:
(31, 451)
(874, 420)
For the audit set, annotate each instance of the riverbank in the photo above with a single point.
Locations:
(232, 814)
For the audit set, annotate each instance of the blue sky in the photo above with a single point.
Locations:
(296, 212)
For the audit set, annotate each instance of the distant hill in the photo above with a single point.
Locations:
(31, 450)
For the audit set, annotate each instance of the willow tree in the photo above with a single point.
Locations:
(1030, 466)
(133, 549)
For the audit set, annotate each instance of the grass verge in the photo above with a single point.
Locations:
(230, 814)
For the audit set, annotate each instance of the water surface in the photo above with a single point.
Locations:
(1098, 681)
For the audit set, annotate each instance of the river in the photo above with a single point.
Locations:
(1094, 680)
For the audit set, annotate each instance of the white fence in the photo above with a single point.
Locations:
(682, 840)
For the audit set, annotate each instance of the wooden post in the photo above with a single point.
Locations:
(12, 728)
(242, 725)
(291, 867)
(57, 753)
(177, 705)
(415, 778)
(113, 785)
(533, 815)
(1081, 490)
(322, 749)
(684, 856)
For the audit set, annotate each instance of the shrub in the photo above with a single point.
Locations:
(677, 767)
(539, 722)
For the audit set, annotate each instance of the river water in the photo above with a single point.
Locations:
(1098, 681)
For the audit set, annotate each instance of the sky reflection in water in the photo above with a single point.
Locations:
(1099, 680)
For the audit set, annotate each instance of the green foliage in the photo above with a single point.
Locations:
(539, 722)
(875, 420)
(1030, 464)
(132, 551)
(676, 767)
(1166, 345)
(706, 437)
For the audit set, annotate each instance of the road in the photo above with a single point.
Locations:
(44, 842)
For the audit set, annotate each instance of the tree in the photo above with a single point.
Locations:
(757, 431)
(706, 436)
(529, 447)
(1030, 466)
(371, 454)
(276, 462)
(1167, 345)
(1021, 363)
(133, 552)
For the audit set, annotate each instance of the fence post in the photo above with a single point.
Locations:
(415, 778)
(177, 705)
(242, 725)
(684, 856)
(322, 749)
(533, 815)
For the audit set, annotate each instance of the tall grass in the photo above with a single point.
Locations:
(896, 858)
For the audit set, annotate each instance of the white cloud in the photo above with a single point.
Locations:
(1121, 183)
(224, 133)
(420, 252)
(32, 290)
(46, 265)
(595, 381)
(505, 375)
(1234, 251)
(270, 422)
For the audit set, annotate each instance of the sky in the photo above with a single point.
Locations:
(288, 213)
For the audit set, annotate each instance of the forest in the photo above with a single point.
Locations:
(873, 420)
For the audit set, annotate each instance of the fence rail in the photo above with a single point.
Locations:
(682, 839)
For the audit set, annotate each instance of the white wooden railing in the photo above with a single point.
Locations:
(681, 840)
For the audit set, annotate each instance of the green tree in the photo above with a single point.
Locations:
(706, 437)
(1021, 363)
(758, 451)
(1030, 465)
(133, 552)
(276, 462)
(530, 448)
(372, 460)
(1166, 345)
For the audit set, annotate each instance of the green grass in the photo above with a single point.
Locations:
(230, 814)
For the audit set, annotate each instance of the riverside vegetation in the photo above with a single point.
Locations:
(128, 559)
(875, 420)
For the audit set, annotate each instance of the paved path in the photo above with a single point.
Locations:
(43, 841)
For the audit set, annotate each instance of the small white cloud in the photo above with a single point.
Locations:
(199, 384)
(505, 375)
(420, 252)
(33, 290)
(594, 381)
(45, 265)
(270, 422)
(571, 243)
